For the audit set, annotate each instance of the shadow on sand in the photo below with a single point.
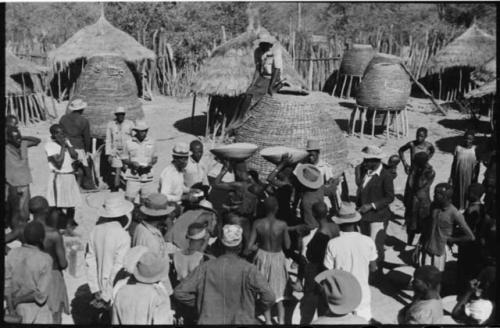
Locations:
(196, 126)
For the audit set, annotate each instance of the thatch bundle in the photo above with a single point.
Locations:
(471, 49)
(485, 73)
(105, 84)
(386, 86)
(12, 87)
(99, 38)
(289, 120)
(230, 68)
(15, 65)
(356, 59)
(383, 58)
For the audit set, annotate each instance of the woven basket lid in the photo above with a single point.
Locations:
(383, 58)
(386, 86)
(356, 59)
(106, 83)
(290, 121)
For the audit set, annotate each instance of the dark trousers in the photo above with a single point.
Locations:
(313, 297)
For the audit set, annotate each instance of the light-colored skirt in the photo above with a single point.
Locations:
(63, 190)
(273, 267)
(58, 295)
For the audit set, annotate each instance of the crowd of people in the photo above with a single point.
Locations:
(212, 243)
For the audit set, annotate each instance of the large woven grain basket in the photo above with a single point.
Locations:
(106, 83)
(385, 86)
(356, 59)
(291, 120)
(383, 58)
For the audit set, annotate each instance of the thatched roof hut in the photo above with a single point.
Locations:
(99, 38)
(230, 68)
(12, 87)
(471, 49)
(15, 65)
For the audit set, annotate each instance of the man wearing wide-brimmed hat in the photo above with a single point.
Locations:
(375, 194)
(311, 190)
(342, 293)
(77, 129)
(226, 289)
(108, 243)
(139, 155)
(143, 300)
(354, 253)
(118, 132)
(172, 177)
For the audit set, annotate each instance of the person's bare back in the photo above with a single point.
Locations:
(271, 234)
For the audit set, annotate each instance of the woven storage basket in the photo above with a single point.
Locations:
(383, 58)
(105, 84)
(356, 59)
(287, 120)
(385, 86)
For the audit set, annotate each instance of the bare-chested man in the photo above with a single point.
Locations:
(270, 235)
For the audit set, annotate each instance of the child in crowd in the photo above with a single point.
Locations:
(427, 307)
(416, 146)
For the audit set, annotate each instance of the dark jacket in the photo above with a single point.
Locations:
(77, 129)
(380, 192)
(225, 290)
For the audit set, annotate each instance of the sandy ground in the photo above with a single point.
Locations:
(169, 123)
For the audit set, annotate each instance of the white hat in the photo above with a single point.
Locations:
(373, 152)
(479, 310)
(309, 176)
(347, 214)
(265, 38)
(205, 204)
(120, 110)
(141, 126)
(116, 206)
(77, 104)
(232, 235)
(181, 149)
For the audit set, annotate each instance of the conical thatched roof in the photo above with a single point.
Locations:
(486, 89)
(471, 49)
(96, 39)
(12, 87)
(485, 73)
(15, 65)
(230, 68)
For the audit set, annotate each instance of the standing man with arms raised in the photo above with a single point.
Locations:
(118, 132)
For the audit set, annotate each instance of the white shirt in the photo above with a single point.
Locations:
(325, 169)
(196, 172)
(172, 183)
(306, 240)
(53, 148)
(369, 175)
(353, 252)
(108, 243)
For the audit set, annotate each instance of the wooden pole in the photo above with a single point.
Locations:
(424, 90)
(192, 111)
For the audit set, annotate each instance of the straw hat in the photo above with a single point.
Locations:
(196, 233)
(313, 145)
(347, 214)
(232, 235)
(120, 110)
(151, 268)
(309, 175)
(342, 290)
(116, 206)
(373, 152)
(205, 204)
(141, 126)
(156, 205)
(181, 149)
(265, 38)
(77, 104)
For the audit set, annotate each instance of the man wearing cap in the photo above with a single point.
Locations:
(28, 275)
(17, 175)
(143, 300)
(172, 177)
(354, 253)
(118, 132)
(139, 155)
(77, 129)
(108, 243)
(375, 194)
(225, 290)
(342, 292)
(196, 172)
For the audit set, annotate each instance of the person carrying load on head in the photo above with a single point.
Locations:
(118, 132)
